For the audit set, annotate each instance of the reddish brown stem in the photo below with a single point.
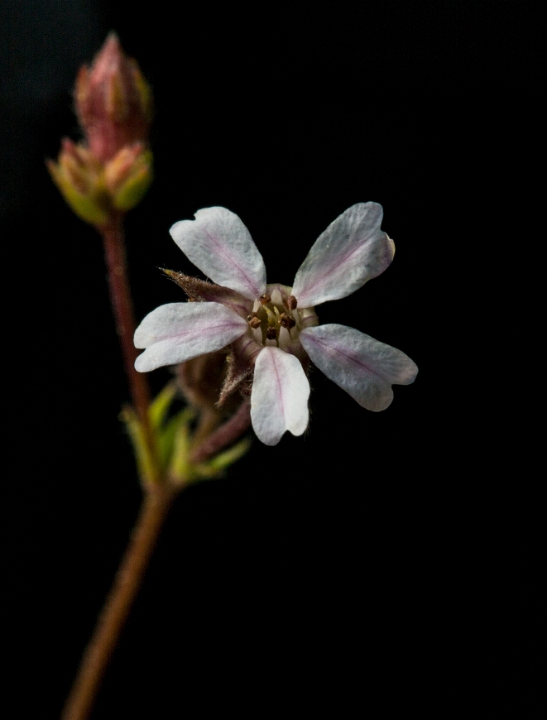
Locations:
(118, 604)
(225, 435)
(122, 304)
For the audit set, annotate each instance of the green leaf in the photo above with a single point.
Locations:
(160, 405)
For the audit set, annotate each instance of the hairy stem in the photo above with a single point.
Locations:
(118, 604)
(122, 304)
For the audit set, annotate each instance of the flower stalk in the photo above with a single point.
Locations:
(223, 436)
(101, 178)
(118, 604)
(122, 305)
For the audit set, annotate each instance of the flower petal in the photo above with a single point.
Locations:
(220, 245)
(351, 251)
(279, 398)
(362, 366)
(177, 332)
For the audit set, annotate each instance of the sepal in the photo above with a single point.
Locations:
(79, 178)
(175, 444)
(128, 176)
(202, 291)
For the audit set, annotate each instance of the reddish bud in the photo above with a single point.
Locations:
(113, 102)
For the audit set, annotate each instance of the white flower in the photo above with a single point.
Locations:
(276, 326)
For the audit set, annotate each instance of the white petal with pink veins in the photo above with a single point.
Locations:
(177, 332)
(351, 251)
(279, 398)
(220, 245)
(362, 366)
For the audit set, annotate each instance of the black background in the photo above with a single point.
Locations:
(381, 558)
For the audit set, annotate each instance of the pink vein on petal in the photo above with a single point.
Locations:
(249, 341)
(341, 352)
(280, 393)
(220, 249)
(336, 264)
(197, 331)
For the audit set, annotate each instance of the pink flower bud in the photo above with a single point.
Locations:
(113, 102)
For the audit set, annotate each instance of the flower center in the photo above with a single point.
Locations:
(276, 318)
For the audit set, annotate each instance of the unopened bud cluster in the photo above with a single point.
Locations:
(112, 168)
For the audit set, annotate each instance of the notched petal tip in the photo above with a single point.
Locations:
(279, 397)
(362, 366)
(220, 245)
(351, 251)
(177, 332)
(146, 362)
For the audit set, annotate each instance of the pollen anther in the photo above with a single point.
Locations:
(287, 321)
